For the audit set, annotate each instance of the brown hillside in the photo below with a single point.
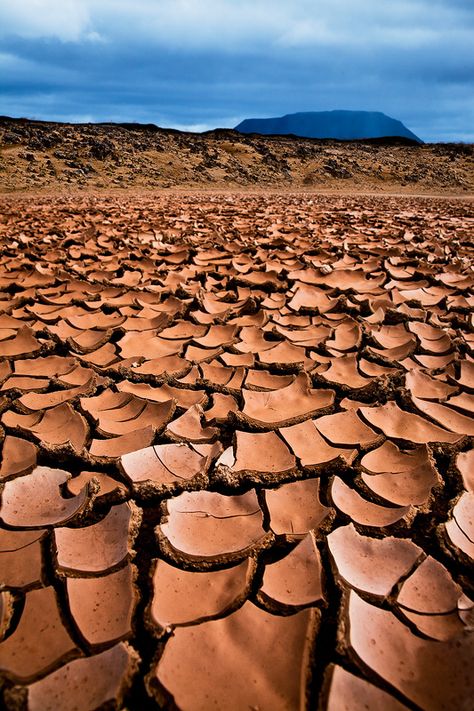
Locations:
(52, 156)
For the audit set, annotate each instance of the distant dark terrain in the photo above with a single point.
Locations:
(342, 125)
(36, 155)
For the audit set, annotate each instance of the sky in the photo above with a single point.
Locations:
(200, 64)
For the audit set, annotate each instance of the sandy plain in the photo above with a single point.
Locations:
(237, 451)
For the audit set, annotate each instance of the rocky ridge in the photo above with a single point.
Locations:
(54, 156)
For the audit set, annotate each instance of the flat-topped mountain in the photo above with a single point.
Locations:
(342, 125)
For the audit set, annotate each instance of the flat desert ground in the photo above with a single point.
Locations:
(237, 464)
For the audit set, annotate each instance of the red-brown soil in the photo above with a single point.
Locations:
(237, 451)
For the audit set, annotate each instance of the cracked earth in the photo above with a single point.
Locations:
(237, 462)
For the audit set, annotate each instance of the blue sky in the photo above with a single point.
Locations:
(198, 64)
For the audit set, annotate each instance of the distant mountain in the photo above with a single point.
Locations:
(342, 125)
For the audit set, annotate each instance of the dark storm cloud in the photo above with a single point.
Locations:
(214, 62)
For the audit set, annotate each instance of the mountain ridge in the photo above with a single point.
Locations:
(339, 124)
(218, 132)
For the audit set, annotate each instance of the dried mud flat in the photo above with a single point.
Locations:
(237, 452)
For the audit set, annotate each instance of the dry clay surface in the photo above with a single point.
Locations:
(237, 460)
